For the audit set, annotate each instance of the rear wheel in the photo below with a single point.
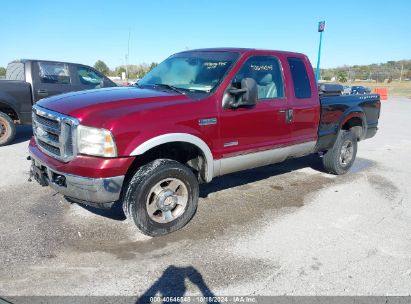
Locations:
(161, 197)
(7, 129)
(341, 157)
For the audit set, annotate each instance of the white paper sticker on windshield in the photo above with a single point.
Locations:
(213, 65)
(263, 67)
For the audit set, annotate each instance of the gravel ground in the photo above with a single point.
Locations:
(282, 229)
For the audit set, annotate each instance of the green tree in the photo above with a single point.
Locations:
(342, 76)
(120, 70)
(102, 67)
(152, 66)
(2, 71)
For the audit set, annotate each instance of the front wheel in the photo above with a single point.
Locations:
(7, 129)
(341, 157)
(161, 197)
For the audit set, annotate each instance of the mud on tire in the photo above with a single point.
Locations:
(161, 197)
(341, 157)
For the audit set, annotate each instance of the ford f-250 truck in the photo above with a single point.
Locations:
(28, 81)
(197, 115)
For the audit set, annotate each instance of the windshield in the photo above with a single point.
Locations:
(191, 71)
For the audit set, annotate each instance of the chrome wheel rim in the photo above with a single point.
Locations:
(167, 200)
(347, 152)
(3, 128)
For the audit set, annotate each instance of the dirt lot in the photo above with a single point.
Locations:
(283, 229)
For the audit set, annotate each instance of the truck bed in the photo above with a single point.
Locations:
(335, 110)
(17, 95)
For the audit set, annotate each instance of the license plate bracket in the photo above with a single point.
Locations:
(39, 174)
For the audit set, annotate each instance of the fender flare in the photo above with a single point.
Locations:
(179, 137)
(10, 104)
(355, 112)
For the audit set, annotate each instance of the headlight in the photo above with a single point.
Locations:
(94, 141)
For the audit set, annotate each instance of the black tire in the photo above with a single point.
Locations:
(139, 193)
(334, 161)
(7, 129)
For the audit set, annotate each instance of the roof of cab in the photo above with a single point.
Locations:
(49, 61)
(243, 51)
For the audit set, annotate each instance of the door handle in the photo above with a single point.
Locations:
(289, 114)
(42, 92)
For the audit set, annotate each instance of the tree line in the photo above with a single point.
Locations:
(133, 70)
(388, 71)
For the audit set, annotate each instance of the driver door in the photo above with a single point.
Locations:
(263, 127)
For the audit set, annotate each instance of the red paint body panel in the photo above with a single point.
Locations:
(136, 115)
(307, 110)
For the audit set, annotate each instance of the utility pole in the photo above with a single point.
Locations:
(321, 27)
(128, 53)
(402, 68)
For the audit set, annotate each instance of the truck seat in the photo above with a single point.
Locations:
(266, 87)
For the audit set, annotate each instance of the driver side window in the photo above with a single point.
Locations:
(89, 77)
(266, 72)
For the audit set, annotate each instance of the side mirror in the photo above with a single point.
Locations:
(246, 96)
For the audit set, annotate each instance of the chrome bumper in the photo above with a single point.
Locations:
(84, 189)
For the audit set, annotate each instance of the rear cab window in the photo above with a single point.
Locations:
(54, 72)
(15, 71)
(302, 88)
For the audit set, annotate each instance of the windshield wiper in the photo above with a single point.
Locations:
(170, 87)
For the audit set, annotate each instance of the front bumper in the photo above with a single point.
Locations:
(99, 191)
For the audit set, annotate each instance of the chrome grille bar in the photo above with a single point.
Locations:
(54, 133)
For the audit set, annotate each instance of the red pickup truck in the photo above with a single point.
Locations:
(197, 115)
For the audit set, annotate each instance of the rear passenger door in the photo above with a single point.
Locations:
(51, 78)
(303, 101)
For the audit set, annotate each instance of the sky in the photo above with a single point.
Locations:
(356, 32)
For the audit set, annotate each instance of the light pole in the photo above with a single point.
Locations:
(128, 53)
(321, 27)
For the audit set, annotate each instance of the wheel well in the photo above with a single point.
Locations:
(354, 125)
(5, 108)
(185, 153)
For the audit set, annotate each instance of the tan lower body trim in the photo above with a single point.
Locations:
(262, 158)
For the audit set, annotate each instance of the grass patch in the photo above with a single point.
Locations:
(395, 88)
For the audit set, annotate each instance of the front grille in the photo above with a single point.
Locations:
(52, 149)
(47, 121)
(54, 133)
(69, 144)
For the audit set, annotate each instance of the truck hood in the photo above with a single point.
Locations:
(93, 107)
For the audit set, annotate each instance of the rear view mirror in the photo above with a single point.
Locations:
(246, 96)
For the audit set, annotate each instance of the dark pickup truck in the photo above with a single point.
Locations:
(28, 81)
(197, 115)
